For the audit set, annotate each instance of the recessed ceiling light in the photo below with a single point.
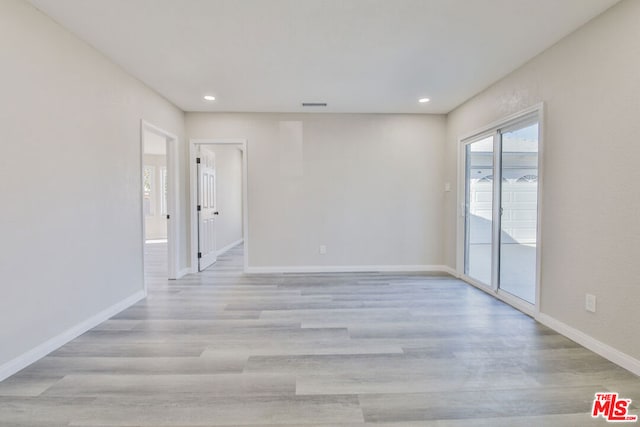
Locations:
(423, 100)
(209, 98)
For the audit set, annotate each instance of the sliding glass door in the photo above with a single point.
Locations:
(519, 207)
(501, 208)
(479, 209)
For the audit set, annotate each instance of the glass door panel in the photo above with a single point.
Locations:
(519, 211)
(478, 210)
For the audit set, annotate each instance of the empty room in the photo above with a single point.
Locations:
(319, 213)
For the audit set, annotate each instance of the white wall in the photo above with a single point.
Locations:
(590, 213)
(228, 194)
(369, 187)
(70, 180)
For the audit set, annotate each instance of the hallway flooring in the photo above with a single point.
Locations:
(222, 348)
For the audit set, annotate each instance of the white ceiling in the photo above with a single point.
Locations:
(356, 55)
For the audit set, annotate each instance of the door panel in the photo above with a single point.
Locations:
(519, 203)
(206, 209)
(479, 210)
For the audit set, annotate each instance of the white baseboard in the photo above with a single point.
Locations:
(452, 271)
(604, 350)
(37, 353)
(229, 247)
(183, 272)
(348, 269)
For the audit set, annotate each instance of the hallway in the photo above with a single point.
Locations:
(224, 348)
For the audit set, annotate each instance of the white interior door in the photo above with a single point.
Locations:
(206, 207)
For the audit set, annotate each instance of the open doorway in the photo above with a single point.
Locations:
(158, 154)
(154, 205)
(219, 201)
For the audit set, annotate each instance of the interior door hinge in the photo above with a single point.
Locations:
(197, 159)
(199, 208)
(168, 216)
(199, 254)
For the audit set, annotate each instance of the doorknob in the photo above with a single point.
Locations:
(216, 213)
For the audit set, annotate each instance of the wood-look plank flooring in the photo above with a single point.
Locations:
(225, 349)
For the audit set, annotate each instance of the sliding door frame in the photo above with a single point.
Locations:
(495, 129)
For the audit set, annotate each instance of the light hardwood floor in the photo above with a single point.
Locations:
(222, 348)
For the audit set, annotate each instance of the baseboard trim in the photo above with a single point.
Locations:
(229, 247)
(349, 269)
(452, 271)
(604, 350)
(183, 272)
(40, 351)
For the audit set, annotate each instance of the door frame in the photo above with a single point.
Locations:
(173, 210)
(494, 128)
(241, 144)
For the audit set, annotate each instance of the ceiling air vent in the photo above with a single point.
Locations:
(314, 104)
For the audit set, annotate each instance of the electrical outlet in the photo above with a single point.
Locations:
(590, 303)
(323, 249)
(447, 186)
